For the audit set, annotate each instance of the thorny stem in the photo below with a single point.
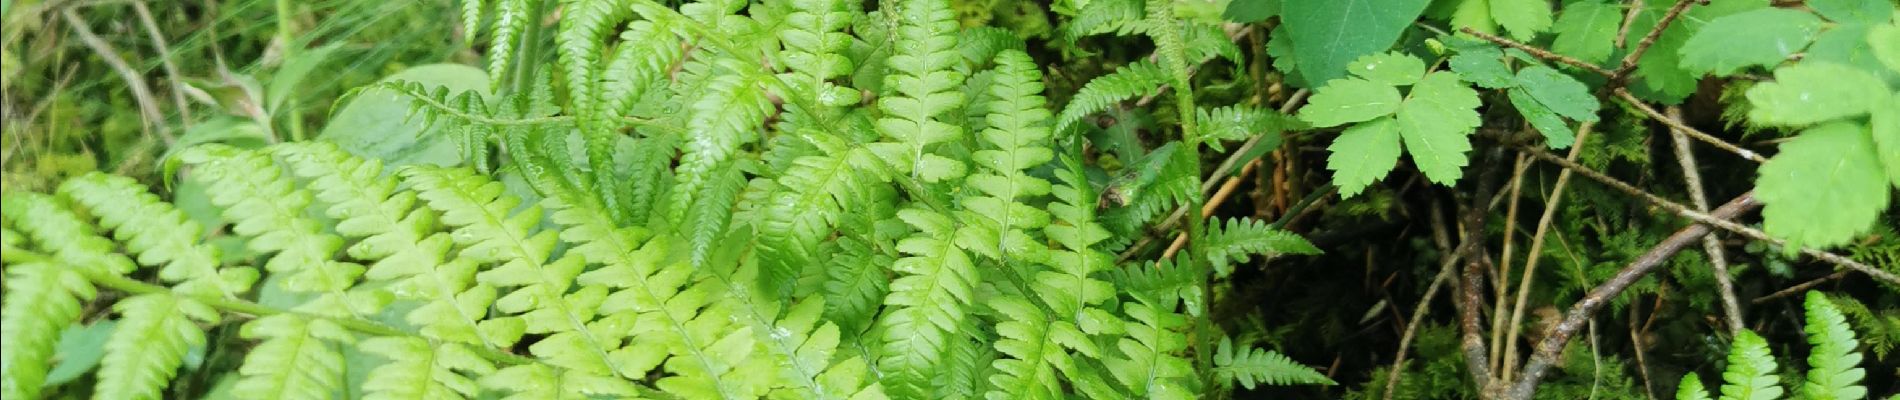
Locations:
(1471, 294)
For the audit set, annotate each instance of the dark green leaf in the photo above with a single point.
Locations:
(1329, 34)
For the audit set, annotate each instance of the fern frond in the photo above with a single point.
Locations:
(723, 119)
(1165, 179)
(511, 18)
(489, 233)
(1243, 237)
(818, 190)
(63, 235)
(928, 304)
(296, 359)
(419, 370)
(1691, 388)
(394, 231)
(1034, 345)
(857, 277)
(1019, 135)
(159, 233)
(1751, 370)
(1238, 122)
(1251, 366)
(268, 207)
(42, 298)
(1834, 366)
(814, 50)
(584, 27)
(1129, 81)
(923, 84)
(1150, 364)
(647, 51)
(145, 351)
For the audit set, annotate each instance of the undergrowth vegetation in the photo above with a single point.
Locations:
(934, 199)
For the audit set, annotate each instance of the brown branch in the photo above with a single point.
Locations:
(1503, 285)
(1471, 294)
(1723, 223)
(1532, 256)
(165, 59)
(1731, 309)
(1629, 18)
(1677, 125)
(1423, 308)
(1539, 53)
(1804, 286)
(1629, 61)
(1552, 345)
(133, 80)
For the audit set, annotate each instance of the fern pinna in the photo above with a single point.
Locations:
(789, 199)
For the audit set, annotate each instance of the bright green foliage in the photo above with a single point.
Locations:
(44, 296)
(419, 370)
(1328, 35)
(1811, 92)
(1252, 366)
(1125, 83)
(1391, 69)
(154, 332)
(1152, 366)
(1350, 100)
(1763, 37)
(1482, 65)
(1751, 370)
(1886, 134)
(1241, 123)
(1437, 115)
(1432, 120)
(1245, 237)
(294, 360)
(1558, 91)
(1363, 154)
(1691, 388)
(929, 301)
(1834, 365)
(160, 234)
(265, 204)
(1018, 131)
(1853, 11)
(1587, 30)
(1524, 19)
(1824, 188)
(922, 80)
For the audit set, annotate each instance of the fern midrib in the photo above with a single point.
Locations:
(625, 250)
(495, 222)
(305, 242)
(806, 374)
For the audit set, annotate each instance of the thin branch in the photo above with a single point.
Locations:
(1629, 18)
(1629, 61)
(1723, 223)
(1538, 52)
(1804, 286)
(1677, 125)
(1552, 346)
(1531, 257)
(1523, 164)
(1423, 308)
(1471, 294)
(148, 107)
(165, 60)
(1692, 176)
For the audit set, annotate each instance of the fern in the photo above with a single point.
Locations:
(1750, 374)
(1691, 388)
(922, 79)
(1243, 237)
(928, 303)
(1251, 366)
(1125, 83)
(1833, 366)
(44, 296)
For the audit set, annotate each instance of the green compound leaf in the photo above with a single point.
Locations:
(1886, 132)
(1587, 30)
(1556, 132)
(1524, 19)
(1250, 11)
(1812, 92)
(1327, 35)
(1349, 100)
(1434, 121)
(1394, 68)
(1853, 11)
(1824, 189)
(1885, 41)
(1363, 154)
(1760, 37)
(1563, 94)
(1482, 65)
